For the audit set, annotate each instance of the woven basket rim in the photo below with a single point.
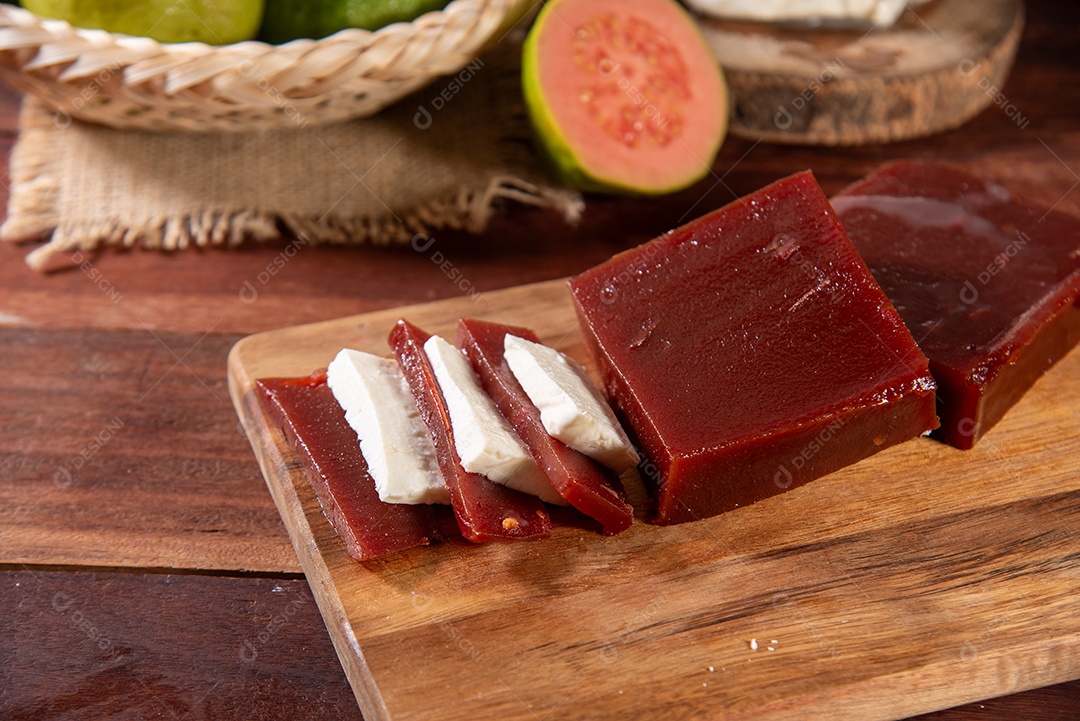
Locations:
(249, 84)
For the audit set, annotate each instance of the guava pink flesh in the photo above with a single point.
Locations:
(633, 90)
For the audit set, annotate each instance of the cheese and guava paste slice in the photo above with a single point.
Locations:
(587, 485)
(571, 407)
(485, 443)
(393, 438)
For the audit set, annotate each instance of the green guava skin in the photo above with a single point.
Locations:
(215, 22)
(286, 20)
(557, 151)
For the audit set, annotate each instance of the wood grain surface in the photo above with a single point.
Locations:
(917, 579)
(850, 86)
(139, 501)
(95, 645)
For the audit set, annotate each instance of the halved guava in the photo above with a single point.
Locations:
(624, 95)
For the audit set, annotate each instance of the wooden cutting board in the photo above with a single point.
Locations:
(921, 578)
(940, 65)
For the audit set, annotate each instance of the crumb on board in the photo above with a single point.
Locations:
(753, 644)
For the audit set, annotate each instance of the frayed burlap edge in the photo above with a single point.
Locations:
(33, 210)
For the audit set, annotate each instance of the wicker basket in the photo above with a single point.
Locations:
(136, 82)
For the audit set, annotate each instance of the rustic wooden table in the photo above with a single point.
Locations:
(144, 571)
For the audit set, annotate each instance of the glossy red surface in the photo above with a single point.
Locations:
(988, 284)
(751, 351)
(485, 510)
(314, 424)
(586, 485)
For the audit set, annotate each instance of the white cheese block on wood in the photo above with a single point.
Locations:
(873, 12)
(393, 438)
(571, 407)
(483, 439)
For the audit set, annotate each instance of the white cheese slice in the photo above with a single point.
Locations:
(876, 12)
(483, 439)
(393, 438)
(571, 407)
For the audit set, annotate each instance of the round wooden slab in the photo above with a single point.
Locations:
(940, 65)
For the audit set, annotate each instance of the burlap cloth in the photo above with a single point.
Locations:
(439, 159)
